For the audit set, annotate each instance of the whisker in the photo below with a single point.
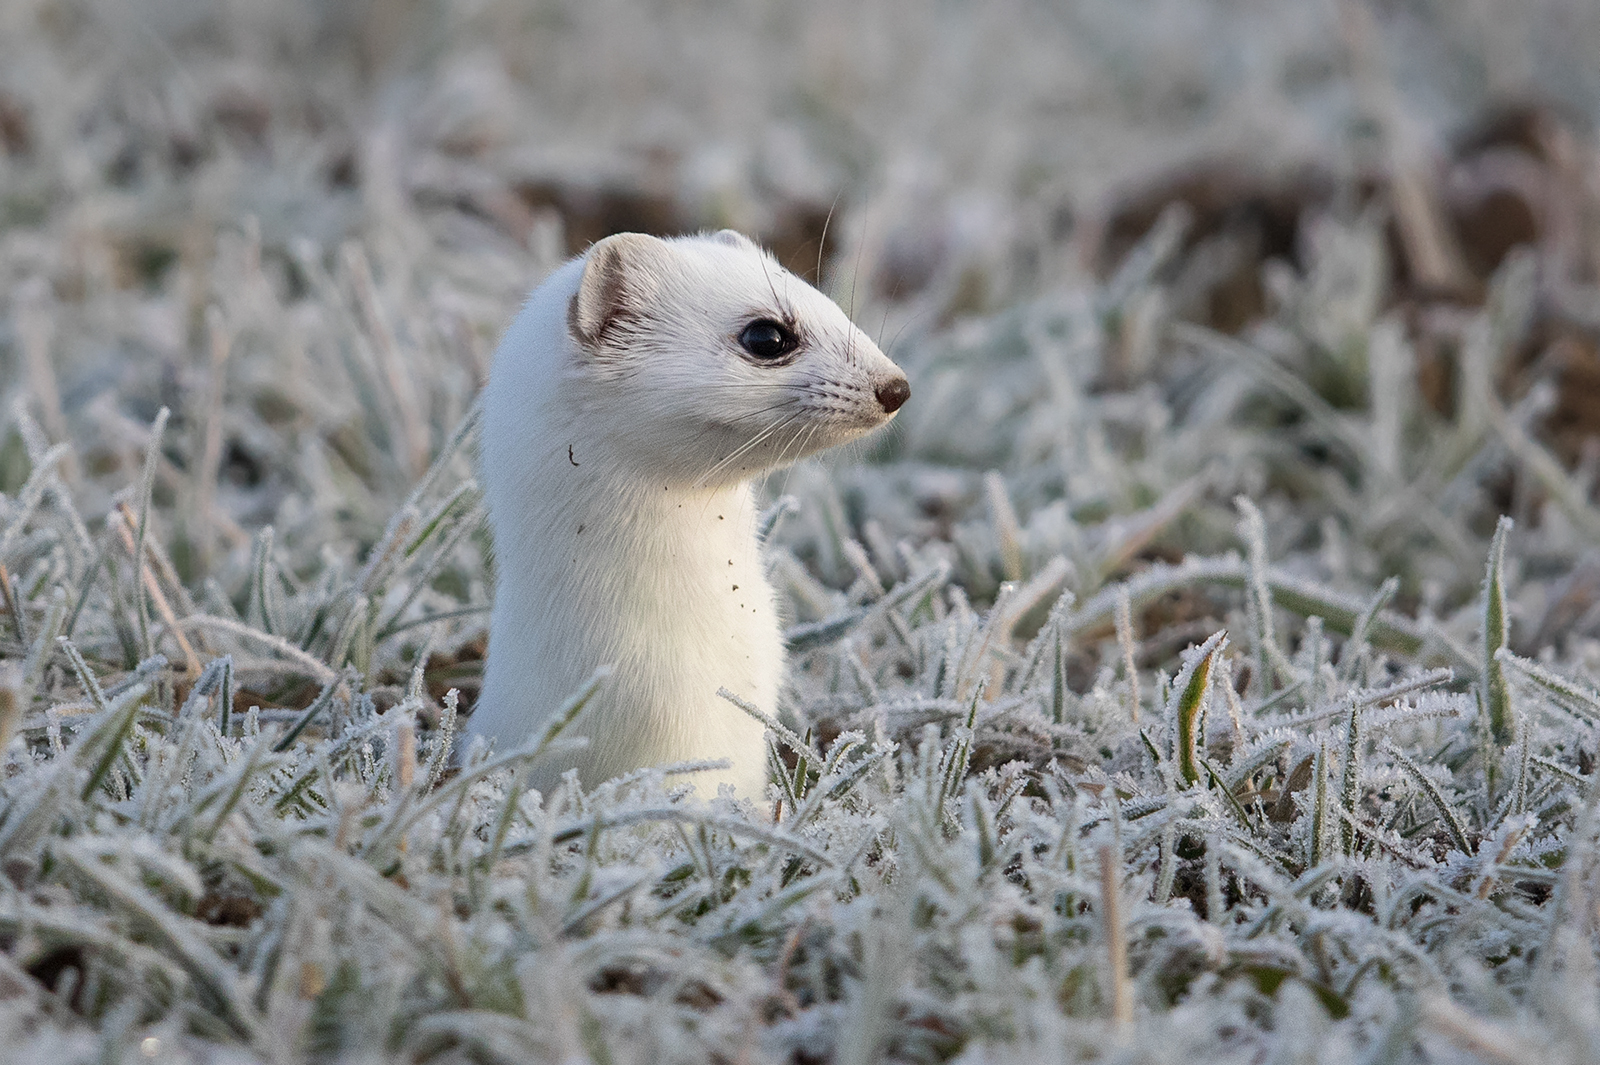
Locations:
(735, 453)
(753, 386)
(855, 275)
(771, 407)
(776, 302)
(893, 292)
(788, 471)
(903, 327)
(706, 430)
(803, 441)
(822, 241)
(746, 446)
(783, 455)
(800, 452)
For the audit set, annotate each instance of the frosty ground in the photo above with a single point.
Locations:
(1204, 668)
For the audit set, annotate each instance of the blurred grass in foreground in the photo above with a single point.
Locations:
(1169, 683)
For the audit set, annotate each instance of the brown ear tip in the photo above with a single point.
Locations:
(618, 278)
(622, 243)
(575, 324)
(604, 249)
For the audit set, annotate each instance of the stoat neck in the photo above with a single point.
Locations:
(663, 583)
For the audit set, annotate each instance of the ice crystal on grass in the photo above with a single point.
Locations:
(1167, 686)
(1318, 838)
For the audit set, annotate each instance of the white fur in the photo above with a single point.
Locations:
(617, 478)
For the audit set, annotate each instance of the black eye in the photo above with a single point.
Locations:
(766, 339)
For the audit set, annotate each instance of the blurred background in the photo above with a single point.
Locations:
(970, 155)
(1196, 296)
(943, 130)
(302, 225)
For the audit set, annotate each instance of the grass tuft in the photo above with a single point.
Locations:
(1232, 444)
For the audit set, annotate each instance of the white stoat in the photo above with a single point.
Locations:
(630, 404)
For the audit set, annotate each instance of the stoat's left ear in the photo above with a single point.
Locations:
(621, 276)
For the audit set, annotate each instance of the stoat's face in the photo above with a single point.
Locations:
(708, 363)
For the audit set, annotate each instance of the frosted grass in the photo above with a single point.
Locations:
(1196, 719)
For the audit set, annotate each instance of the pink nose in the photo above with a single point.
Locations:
(893, 393)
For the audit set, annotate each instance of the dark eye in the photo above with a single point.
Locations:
(766, 339)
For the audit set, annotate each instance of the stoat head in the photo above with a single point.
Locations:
(708, 363)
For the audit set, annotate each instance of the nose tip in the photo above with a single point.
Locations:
(893, 393)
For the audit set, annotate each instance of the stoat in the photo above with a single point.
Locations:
(630, 404)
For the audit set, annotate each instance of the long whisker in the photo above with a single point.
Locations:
(746, 446)
(893, 292)
(783, 464)
(706, 430)
(799, 443)
(855, 275)
(805, 441)
(822, 241)
(753, 386)
(776, 302)
(788, 471)
(903, 327)
(782, 403)
(783, 454)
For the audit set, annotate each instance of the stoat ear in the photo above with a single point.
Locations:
(734, 238)
(620, 277)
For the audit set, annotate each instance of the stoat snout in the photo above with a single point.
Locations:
(635, 397)
(892, 392)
